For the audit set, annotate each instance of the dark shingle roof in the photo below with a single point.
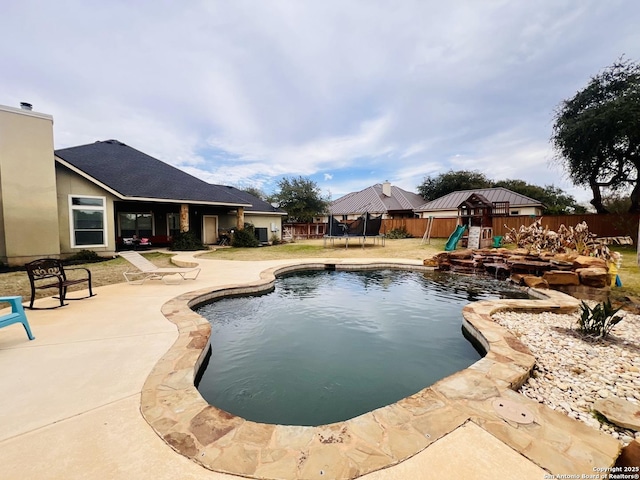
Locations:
(452, 200)
(257, 205)
(372, 200)
(133, 174)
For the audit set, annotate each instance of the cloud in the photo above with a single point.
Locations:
(247, 92)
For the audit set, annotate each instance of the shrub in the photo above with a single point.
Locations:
(275, 240)
(599, 320)
(245, 238)
(186, 241)
(398, 233)
(84, 256)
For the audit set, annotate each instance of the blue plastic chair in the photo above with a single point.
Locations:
(17, 315)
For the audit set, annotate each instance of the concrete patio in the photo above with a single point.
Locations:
(71, 401)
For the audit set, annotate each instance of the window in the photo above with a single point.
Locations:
(139, 224)
(87, 221)
(173, 224)
(515, 212)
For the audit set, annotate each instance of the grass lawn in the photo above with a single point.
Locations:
(629, 273)
(410, 248)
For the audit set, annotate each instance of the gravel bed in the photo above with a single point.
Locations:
(573, 371)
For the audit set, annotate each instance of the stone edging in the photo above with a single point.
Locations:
(375, 440)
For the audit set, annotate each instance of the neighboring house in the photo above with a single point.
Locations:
(380, 199)
(54, 204)
(508, 203)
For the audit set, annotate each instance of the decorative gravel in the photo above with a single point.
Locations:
(573, 371)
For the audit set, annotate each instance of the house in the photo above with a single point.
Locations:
(504, 201)
(380, 199)
(54, 204)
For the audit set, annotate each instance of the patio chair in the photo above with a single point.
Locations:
(50, 273)
(147, 270)
(17, 315)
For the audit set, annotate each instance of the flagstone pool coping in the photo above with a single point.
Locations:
(222, 442)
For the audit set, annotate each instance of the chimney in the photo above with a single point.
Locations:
(386, 188)
(26, 106)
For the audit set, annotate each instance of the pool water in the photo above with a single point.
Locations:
(326, 346)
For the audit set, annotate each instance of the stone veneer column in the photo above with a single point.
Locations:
(184, 217)
(240, 218)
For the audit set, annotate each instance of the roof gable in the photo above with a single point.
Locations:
(475, 200)
(132, 174)
(372, 200)
(452, 200)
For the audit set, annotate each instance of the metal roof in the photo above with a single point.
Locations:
(452, 200)
(372, 200)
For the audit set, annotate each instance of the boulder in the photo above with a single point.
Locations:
(558, 277)
(621, 412)
(534, 282)
(517, 258)
(461, 254)
(582, 261)
(594, 277)
(630, 455)
(585, 293)
(430, 262)
(565, 257)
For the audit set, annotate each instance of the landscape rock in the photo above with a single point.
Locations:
(620, 412)
(593, 277)
(573, 374)
(565, 257)
(582, 261)
(534, 282)
(560, 271)
(559, 277)
(461, 254)
(630, 455)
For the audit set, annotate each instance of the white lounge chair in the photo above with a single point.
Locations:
(148, 270)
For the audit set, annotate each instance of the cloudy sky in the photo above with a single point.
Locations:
(348, 93)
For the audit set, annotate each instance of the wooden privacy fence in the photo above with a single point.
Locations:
(610, 225)
(442, 227)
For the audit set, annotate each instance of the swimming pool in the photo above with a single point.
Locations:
(325, 346)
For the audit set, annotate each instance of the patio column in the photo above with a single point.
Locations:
(184, 217)
(240, 218)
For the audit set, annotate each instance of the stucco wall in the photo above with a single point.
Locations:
(29, 211)
(265, 221)
(70, 183)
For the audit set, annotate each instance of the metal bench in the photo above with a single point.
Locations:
(17, 315)
(50, 273)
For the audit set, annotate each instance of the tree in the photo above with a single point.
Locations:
(596, 134)
(616, 203)
(556, 202)
(436, 187)
(256, 192)
(300, 198)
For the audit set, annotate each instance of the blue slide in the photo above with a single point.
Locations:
(454, 238)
